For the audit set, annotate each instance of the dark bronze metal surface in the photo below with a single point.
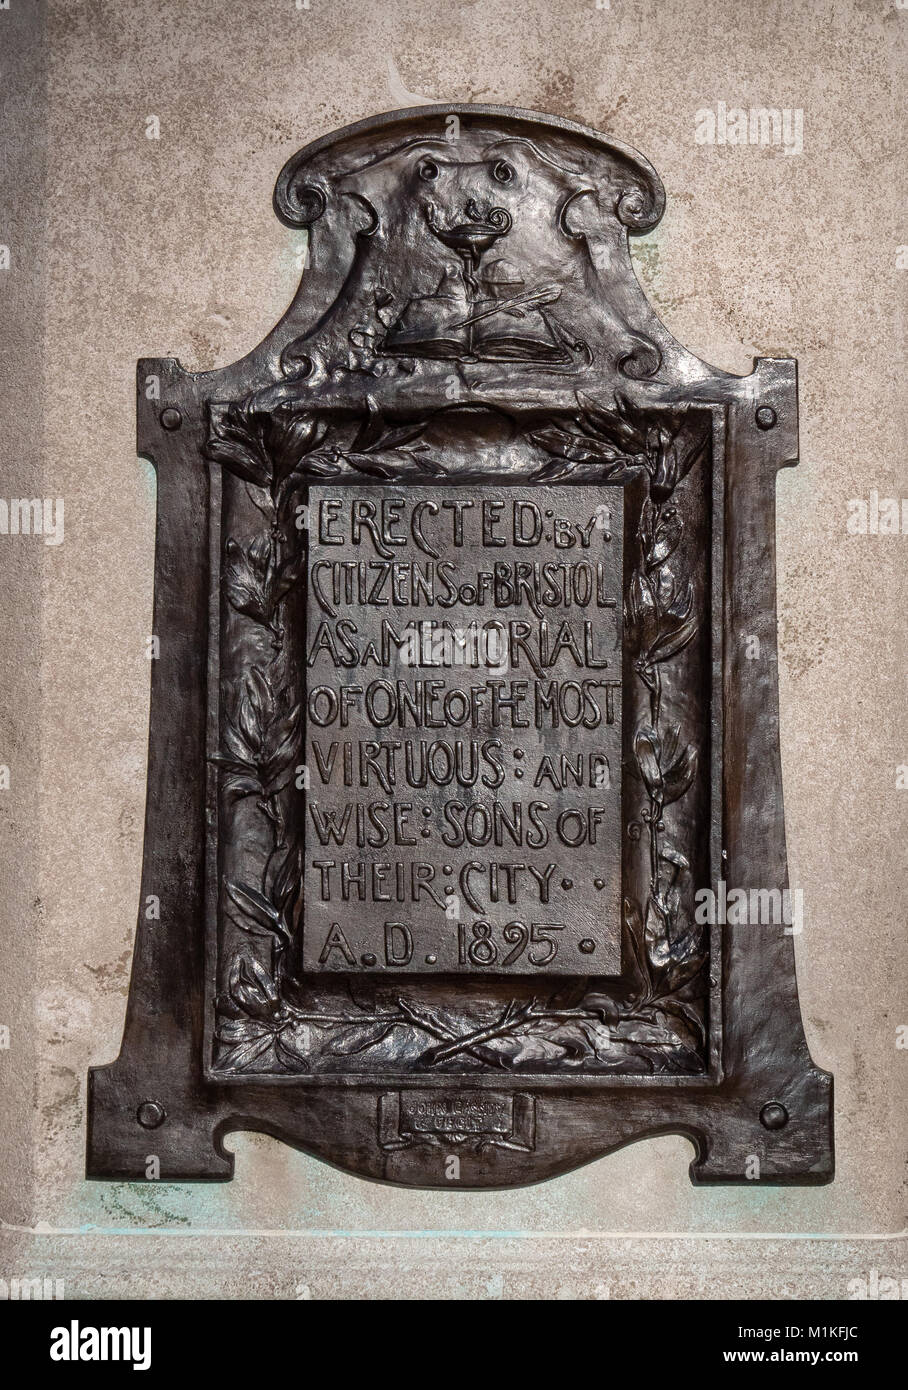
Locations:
(455, 738)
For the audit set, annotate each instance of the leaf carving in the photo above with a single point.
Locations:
(257, 914)
(673, 641)
(648, 749)
(680, 775)
(260, 445)
(358, 1038)
(665, 539)
(364, 463)
(242, 1056)
(234, 442)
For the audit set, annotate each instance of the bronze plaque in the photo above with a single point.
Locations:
(463, 730)
(456, 751)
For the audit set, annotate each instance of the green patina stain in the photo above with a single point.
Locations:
(149, 480)
(292, 260)
(645, 259)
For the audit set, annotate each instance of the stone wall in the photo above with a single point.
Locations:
(123, 246)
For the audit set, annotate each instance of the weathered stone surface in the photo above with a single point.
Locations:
(128, 263)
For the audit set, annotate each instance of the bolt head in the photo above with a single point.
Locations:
(765, 417)
(773, 1115)
(150, 1114)
(586, 946)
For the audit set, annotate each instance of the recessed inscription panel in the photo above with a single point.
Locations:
(463, 730)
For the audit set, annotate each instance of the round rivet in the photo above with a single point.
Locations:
(765, 417)
(431, 960)
(150, 1114)
(586, 946)
(598, 883)
(567, 883)
(171, 419)
(773, 1116)
(368, 958)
